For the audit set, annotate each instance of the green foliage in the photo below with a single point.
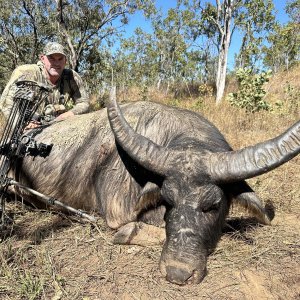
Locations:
(30, 286)
(251, 92)
(292, 96)
(205, 90)
(162, 58)
(284, 41)
(289, 104)
(144, 93)
(198, 105)
(283, 49)
(174, 102)
(293, 10)
(219, 20)
(86, 27)
(255, 18)
(183, 45)
(24, 26)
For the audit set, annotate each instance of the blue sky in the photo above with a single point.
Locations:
(138, 20)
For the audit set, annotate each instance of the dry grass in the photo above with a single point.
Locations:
(50, 256)
(276, 88)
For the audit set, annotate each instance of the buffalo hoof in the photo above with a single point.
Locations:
(139, 233)
(125, 234)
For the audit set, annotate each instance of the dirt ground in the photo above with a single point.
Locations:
(45, 255)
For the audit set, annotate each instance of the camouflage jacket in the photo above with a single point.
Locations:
(69, 90)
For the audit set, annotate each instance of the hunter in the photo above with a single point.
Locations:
(68, 97)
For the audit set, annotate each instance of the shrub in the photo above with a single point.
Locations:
(292, 95)
(251, 92)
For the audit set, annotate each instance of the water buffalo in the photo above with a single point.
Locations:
(153, 165)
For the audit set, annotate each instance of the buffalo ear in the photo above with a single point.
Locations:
(149, 197)
(253, 204)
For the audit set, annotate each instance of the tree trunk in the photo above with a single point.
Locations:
(222, 67)
(73, 60)
(223, 50)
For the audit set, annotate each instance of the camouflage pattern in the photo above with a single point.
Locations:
(53, 47)
(69, 91)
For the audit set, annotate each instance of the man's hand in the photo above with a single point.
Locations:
(65, 115)
(32, 124)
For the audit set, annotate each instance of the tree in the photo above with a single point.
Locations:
(24, 27)
(168, 55)
(85, 27)
(135, 62)
(256, 20)
(284, 45)
(86, 23)
(284, 42)
(227, 16)
(293, 10)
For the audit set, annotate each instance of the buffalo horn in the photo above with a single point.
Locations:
(255, 160)
(145, 152)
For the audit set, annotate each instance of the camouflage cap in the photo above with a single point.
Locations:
(53, 47)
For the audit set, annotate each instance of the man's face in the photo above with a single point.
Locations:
(54, 64)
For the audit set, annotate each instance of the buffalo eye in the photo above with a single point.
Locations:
(211, 207)
(168, 193)
(169, 199)
(211, 199)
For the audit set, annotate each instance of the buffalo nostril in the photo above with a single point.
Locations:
(178, 276)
